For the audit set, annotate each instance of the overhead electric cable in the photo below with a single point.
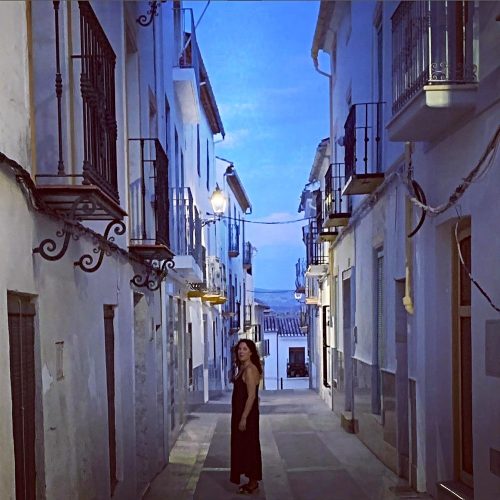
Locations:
(266, 222)
(475, 174)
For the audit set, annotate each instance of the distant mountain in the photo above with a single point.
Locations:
(277, 300)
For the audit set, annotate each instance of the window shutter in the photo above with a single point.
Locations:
(22, 372)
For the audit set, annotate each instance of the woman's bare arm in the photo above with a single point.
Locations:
(251, 379)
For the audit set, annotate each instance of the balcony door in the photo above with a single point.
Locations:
(463, 359)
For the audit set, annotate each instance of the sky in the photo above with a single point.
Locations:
(274, 107)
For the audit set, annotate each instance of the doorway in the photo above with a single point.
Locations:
(462, 354)
(21, 313)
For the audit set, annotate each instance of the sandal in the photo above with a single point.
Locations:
(247, 490)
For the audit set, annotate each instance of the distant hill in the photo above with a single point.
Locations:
(278, 301)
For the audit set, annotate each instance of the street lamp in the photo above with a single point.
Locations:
(218, 202)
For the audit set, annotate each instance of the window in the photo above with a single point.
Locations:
(208, 166)
(297, 363)
(198, 152)
(167, 124)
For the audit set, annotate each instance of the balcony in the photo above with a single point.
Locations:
(337, 205)
(247, 322)
(316, 260)
(325, 234)
(312, 289)
(300, 276)
(434, 68)
(363, 149)
(186, 236)
(85, 188)
(149, 200)
(216, 290)
(235, 320)
(263, 348)
(186, 73)
(234, 240)
(247, 256)
(200, 288)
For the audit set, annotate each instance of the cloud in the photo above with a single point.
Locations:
(234, 138)
(237, 109)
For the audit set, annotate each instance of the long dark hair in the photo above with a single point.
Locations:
(254, 356)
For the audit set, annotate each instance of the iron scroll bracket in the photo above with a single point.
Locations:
(157, 271)
(91, 263)
(47, 247)
(143, 19)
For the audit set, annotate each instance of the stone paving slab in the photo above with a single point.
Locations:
(325, 484)
(306, 455)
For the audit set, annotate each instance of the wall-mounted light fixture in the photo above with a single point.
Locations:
(219, 202)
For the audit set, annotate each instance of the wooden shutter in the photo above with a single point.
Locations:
(109, 345)
(22, 375)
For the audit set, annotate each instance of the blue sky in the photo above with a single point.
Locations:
(274, 107)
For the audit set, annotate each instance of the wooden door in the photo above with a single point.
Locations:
(463, 382)
(22, 375)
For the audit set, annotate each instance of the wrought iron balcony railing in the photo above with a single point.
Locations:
(247, 255)
(432, 44)
(234, 239)
(188, 55)
(363, 148)
(337, 206)
(315, 254)
(312, 290)
(235, 321)
(319, 207)
(89, 191)
(300, 276)
(149, 197)
(248, 316)
(186, 228)
(263, 347)
(216, 280)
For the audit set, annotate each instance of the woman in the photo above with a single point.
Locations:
(245, 444)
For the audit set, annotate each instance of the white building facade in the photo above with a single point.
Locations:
(287, 363)
(107, 128)
(414, 112)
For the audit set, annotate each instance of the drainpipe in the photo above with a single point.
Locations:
(407, 299)
(314, 56)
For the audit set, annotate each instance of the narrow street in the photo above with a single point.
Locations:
(306, 455)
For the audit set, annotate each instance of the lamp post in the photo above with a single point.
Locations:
(219, 202)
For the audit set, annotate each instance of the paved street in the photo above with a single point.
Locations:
(306, 455)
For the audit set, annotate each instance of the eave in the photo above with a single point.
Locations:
(239, 191)
(209, 103)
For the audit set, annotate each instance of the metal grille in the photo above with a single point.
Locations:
(363, 139)
(97, 85)
(334, 183)
(314, 248)
(432, 43)
(186, 238)
(143, 224)
(234, 239)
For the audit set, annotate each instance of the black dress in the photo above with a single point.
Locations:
(245, 446)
